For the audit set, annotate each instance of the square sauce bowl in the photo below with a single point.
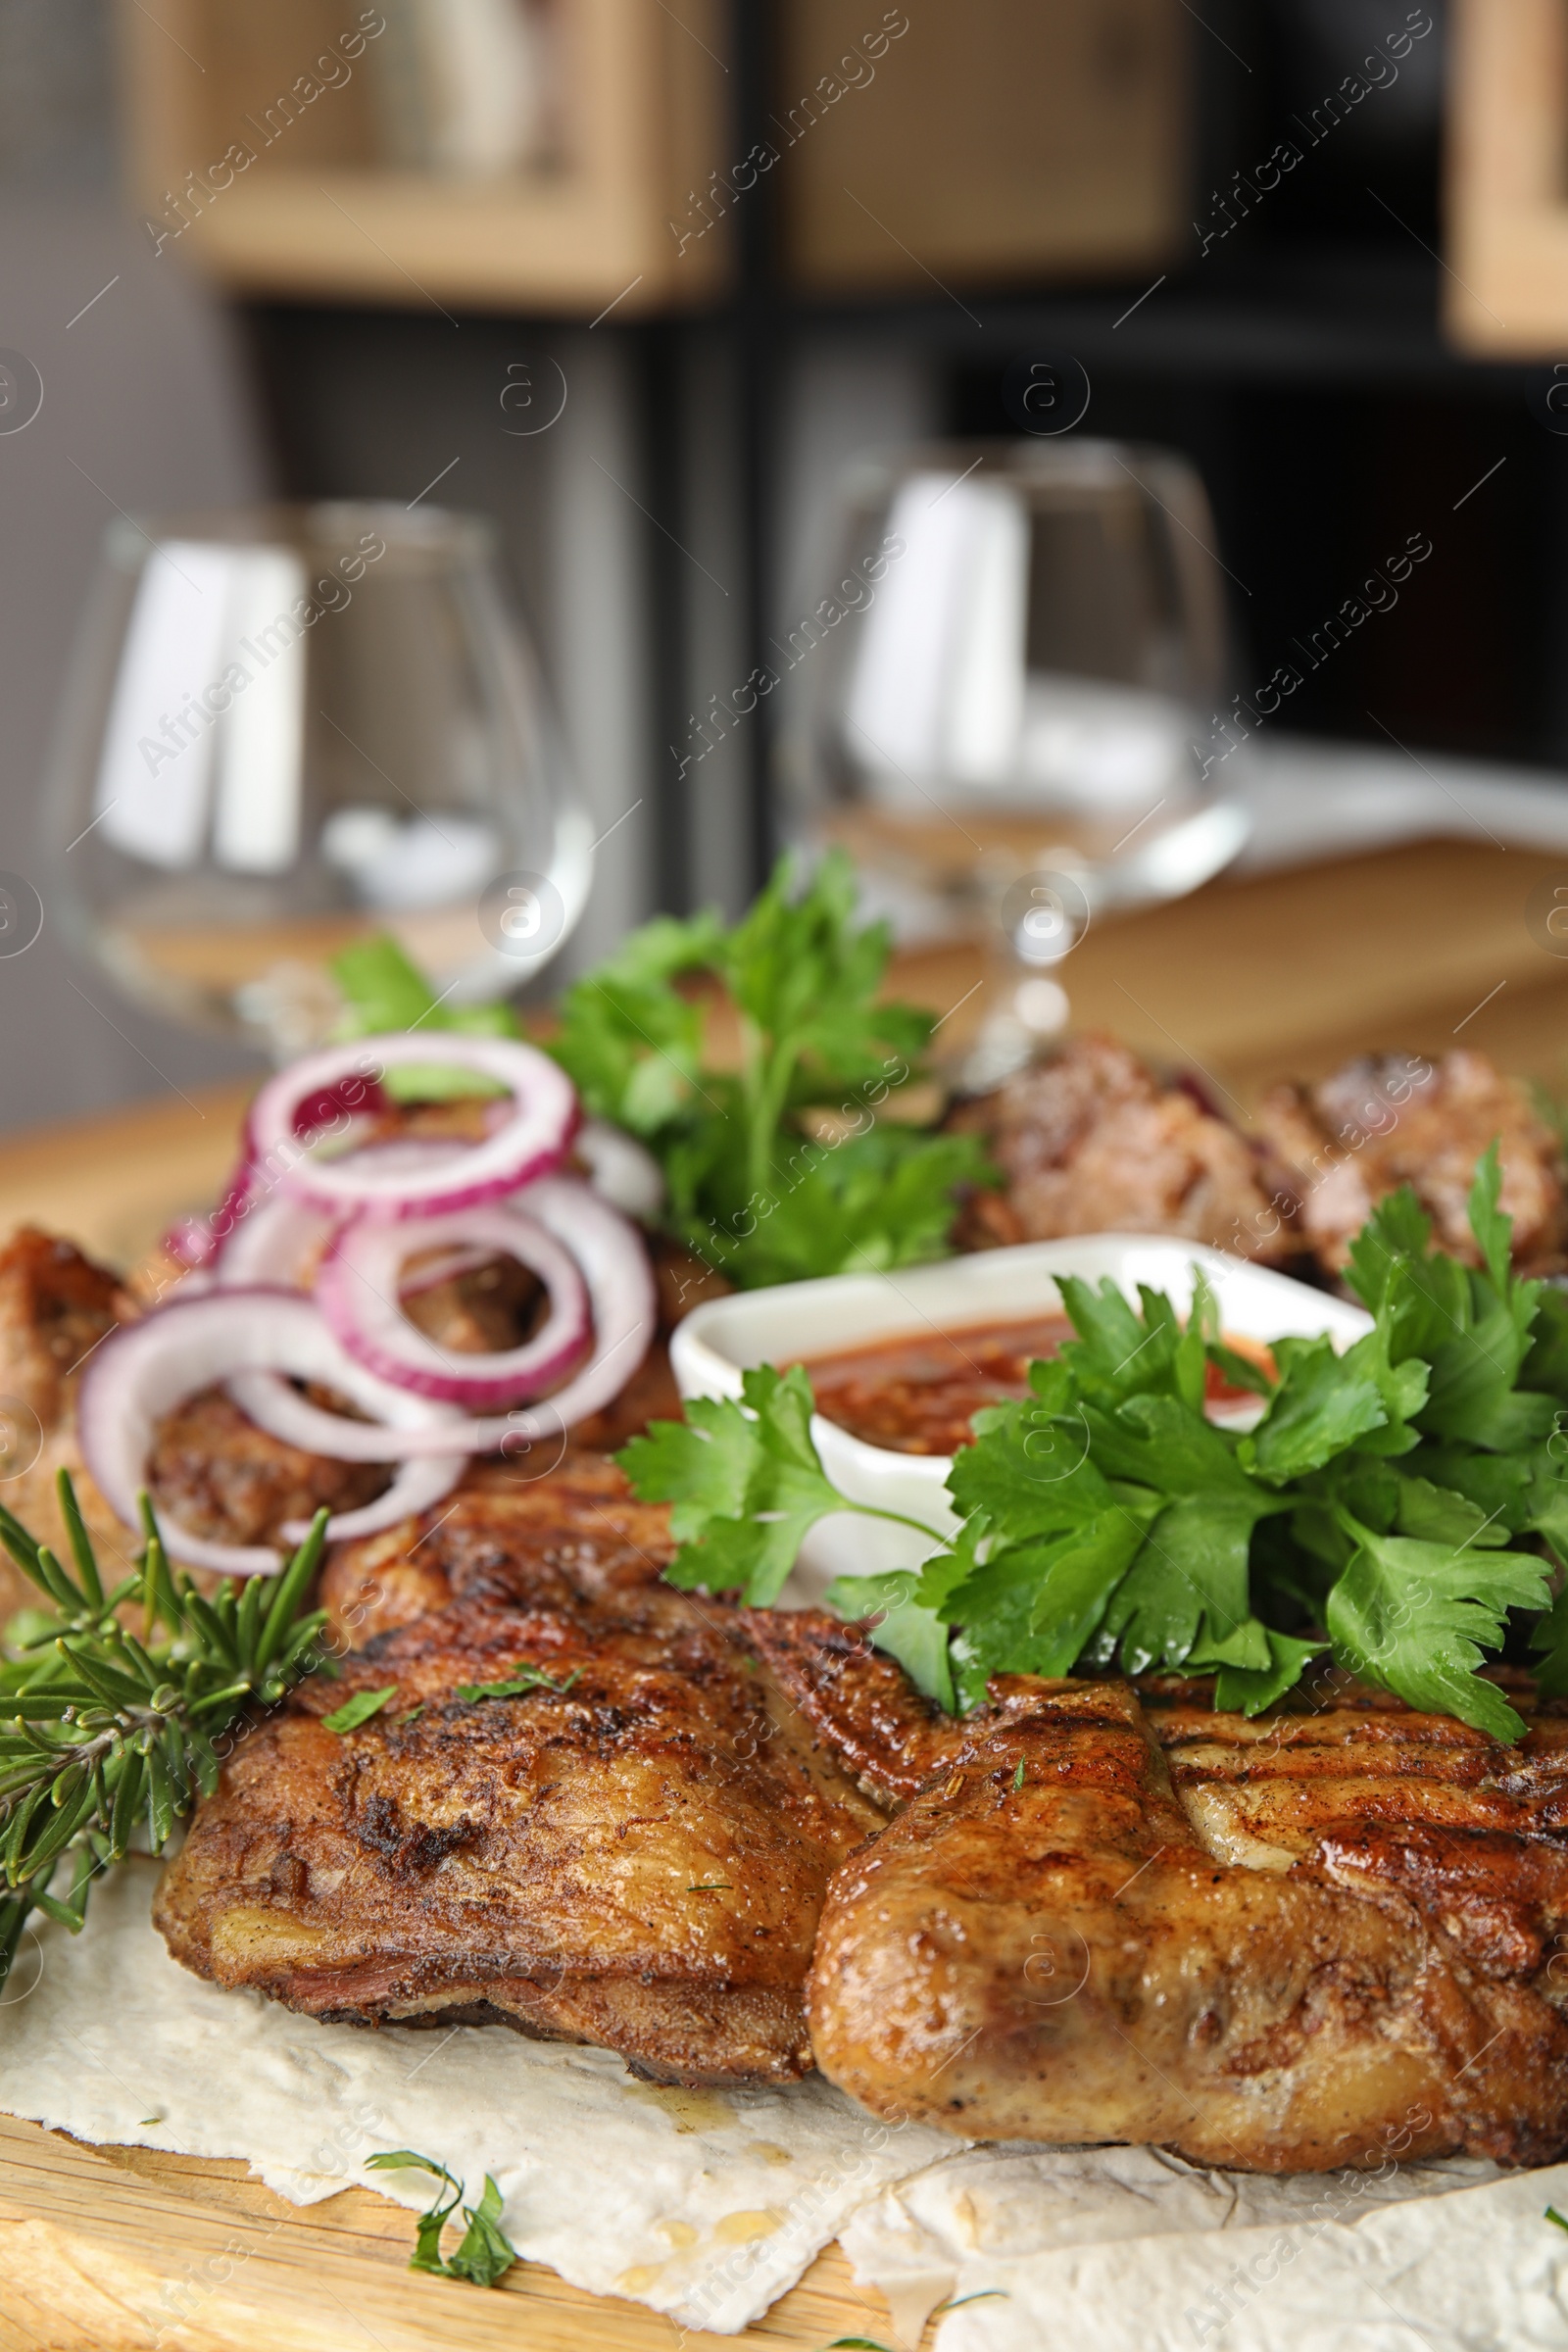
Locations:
(804, 1320)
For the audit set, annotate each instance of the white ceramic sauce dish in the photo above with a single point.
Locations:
(719, 1341)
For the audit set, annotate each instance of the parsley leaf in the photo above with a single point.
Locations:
(517, 1684)
(358, 1710)
(1413, 1616)
(382, 990)
(1375, 1508)
(779, 1157)
(748, 1484)
(914, 1635)
(1322, 1405)
(750, 1191)
(485, 2253)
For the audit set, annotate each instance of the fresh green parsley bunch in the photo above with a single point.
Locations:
(1402, 1505)
(750, 1192)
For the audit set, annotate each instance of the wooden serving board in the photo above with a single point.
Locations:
(127, 2250)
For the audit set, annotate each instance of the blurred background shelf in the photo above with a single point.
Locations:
(626, 116)
(1018, 177)
(1507, 178)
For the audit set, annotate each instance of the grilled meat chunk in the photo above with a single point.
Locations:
(577, 1517)
(222, 1476)
(1294, 1943)
(629, 1846)
(1387, 1119)
(55, 1307)
(1091, 1142)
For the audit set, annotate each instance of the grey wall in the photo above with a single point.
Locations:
(144, 407)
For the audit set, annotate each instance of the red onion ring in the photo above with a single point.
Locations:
(145, 1369)
(614, 1265)
(620, 1169)
(445, 1266)
(533, 1138)
(277, 1241)
(357, 1290)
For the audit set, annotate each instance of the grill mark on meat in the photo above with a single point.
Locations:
(1087, 1955)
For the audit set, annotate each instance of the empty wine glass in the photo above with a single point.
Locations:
(1002, 690)
(286, 727)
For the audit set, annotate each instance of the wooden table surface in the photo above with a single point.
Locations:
(1426, 947)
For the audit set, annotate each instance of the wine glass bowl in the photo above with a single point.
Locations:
(1000, 718)
(287, 727)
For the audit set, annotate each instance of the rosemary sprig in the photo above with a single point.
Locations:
(102, 1729)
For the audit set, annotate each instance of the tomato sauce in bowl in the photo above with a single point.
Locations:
(918, 1392)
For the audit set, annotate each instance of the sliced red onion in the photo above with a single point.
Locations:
(142, 1371)
(620, 1169)
(532, 1137)
(613, 1262)
(198, 1240)
(446, 1265)
(347, 1098)
(359, 1286)
(189, 1242)
(277, 1240)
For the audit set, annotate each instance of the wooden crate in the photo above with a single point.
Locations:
(644, 119)
(1000, 141)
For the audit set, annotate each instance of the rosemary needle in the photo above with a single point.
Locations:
(103, 1729)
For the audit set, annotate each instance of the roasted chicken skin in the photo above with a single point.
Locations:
(633, 1851)
(1283, 1947)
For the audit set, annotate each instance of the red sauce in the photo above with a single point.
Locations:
(918, 1393)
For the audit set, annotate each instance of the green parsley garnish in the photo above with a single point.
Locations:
(100, 1728)
(358, 1710)
(384, 990)
(1373, 1511)
(517, 1684)
(1017, 1776)
(1553, 2215)
(749, 1190)
(485, 2254)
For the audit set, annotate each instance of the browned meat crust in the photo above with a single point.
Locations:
(1091, 1142)
(224, 1478)
(1308, 1935)
(55, 1307)
(574, 1514)
(1388, 1119)
(637, 1860)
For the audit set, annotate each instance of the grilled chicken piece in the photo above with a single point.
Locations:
(219, 1475)
(1091, 1142)
(573, 1513)
(1306, 1937)
(1388, 1119)
(633, 1854)
(222, 1476)
(55, 1307)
